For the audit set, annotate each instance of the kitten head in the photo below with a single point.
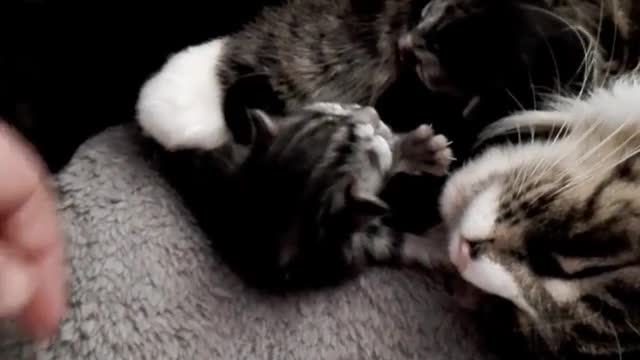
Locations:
(553, 226)
(311, 180)
(467, 47)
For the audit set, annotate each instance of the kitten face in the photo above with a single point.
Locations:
(311, 180)
(553, 226)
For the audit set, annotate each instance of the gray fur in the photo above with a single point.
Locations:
(327, 50)
(324, 167)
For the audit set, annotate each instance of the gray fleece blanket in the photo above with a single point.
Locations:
(145, 285)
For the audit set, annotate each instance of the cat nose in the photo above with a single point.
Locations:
(405, 43)
(460, 253)
(369, 115)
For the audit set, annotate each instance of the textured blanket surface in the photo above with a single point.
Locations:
(146, 285)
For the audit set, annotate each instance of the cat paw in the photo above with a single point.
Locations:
(424, 151)
(180, 107)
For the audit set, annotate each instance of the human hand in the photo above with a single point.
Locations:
(32, 276)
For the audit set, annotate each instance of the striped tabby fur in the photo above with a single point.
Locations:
(553, 224)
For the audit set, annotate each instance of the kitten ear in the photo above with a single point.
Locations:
(263, 127)
(364, 206)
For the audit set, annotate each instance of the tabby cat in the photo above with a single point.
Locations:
(551, 223)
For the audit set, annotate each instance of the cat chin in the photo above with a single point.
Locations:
(181, 105)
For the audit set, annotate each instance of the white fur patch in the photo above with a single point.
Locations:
(479, 219)
(495, 279)
(384, 152)
(561, 291)
(181, 105)
(477, 224)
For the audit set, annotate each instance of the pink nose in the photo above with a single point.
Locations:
(461, 255)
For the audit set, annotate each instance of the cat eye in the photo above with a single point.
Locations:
(476, 247)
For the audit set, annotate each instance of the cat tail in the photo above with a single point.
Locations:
(181, 106)
(379, 244)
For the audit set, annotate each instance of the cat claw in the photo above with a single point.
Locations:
(424, 151)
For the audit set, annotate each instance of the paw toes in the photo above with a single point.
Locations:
(438, 143)
(424, 131)
(444, 157)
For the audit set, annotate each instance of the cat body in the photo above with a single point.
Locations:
(291, 55)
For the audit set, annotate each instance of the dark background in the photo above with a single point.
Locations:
(68, 69)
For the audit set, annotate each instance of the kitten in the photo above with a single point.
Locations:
(552, 225)
(303, 208)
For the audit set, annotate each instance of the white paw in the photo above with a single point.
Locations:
(181, 105)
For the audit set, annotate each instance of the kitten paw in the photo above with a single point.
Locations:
(424, 151)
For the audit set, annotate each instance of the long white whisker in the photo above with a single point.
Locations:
(578, 180)
(603, 142)
(632, 327)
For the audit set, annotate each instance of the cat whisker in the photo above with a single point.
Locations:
(578, 30)
(615, 335)
(578, 180)
(515, 99)
(632, 327)
(594, 169)
(613, 47)
(597, 147)
(533, 92)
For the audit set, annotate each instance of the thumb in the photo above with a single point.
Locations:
(18, 283)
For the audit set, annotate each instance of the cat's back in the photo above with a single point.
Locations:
(327, 50)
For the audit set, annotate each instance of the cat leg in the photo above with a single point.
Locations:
(181, 106)
(421, 151)
(379, 244)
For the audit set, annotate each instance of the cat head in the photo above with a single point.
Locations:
(311, 179)
(468, 47)
(553, 225)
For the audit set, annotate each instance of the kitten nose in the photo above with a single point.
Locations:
(461, 254)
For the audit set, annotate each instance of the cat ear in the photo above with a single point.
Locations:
(263, 127)
(363, 205)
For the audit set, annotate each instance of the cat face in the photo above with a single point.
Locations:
(311, 180)
(469, 47)
(456, 39)
(553, 226)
